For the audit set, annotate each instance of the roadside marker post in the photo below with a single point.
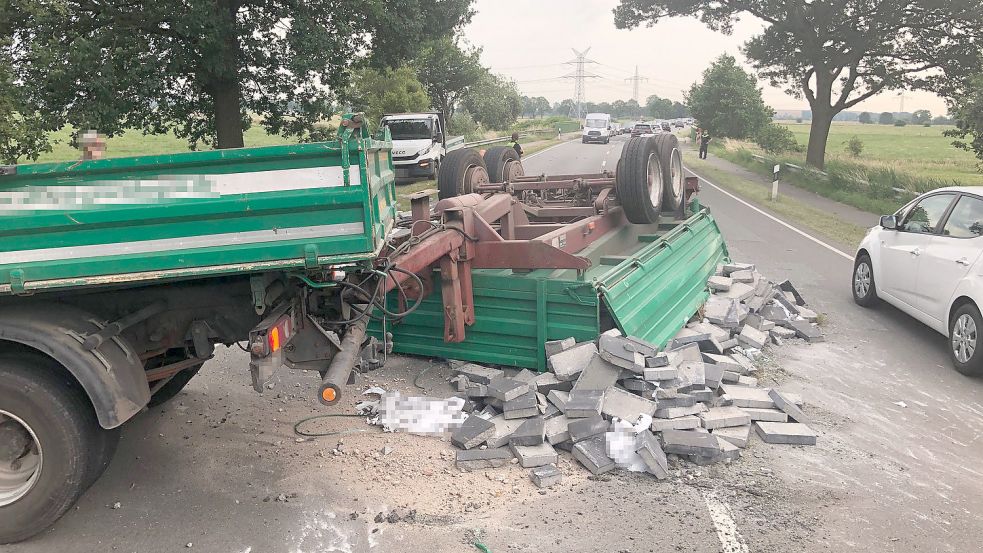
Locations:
(774, 183)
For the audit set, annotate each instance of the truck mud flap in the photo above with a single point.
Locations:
(654, 292)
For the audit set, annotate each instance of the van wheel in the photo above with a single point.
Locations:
(964, 340)
(672, 171)
(460, 172)
(864, 289)
(502, 163)
(638, 181)
(47, 432)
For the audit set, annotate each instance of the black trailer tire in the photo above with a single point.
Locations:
(673, 179)
(62, 427)
(966, 339)
(639, 181)
(460, 171)
(502, 164)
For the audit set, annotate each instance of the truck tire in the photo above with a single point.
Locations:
(672, 171)
(639, 181)
(49, 424)
(460, 171)
(502, 163)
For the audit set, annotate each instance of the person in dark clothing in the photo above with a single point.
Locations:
(704, 143)
(515, 144)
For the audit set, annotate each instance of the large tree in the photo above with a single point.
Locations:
(495, 102)
(727, 102)
(23, 131)
(204, 68)
(448, 71)
(834, 53)
(379, 91)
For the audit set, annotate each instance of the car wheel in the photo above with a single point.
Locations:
(964, 340)
(864, 289)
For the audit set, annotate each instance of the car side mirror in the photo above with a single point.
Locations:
(439, 137)
(889, 222)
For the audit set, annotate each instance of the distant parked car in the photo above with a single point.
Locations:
(680, 124)
(642, 129)
(925, 260)
(666, 127)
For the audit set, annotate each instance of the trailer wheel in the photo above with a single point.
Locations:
(672, 171)
(460, 172)
(503, 164)
(639, 181)
(47, 432)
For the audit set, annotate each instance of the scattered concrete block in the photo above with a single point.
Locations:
(692, 374)
(530, 432)
(755, 304)
(626, 352)
(759, 322)
(777, 314)
(807, 331)
(626, 405)
(685, 442)
(638, 385)
(546, 476)
(730, 377)
(503, 429)
(728, 451)
(546, 382)
(559, 398)
(785, 433)
(555, 429)
(675, 412)
(745, 396)
(744, 276)
(597, 375)
(724, 312)
(525, 375)
(524, 406)
(751, 337)
(565, 446)
(688, 335)
(782, 332)
(592, 455)
(720, 283)
(704, 395)
(507, 389)
(473, 432)
(556, 346)
(477, 459)
(479, 374)
(747, 381)
(584, 403)
(678, 423)
(765, 415)
(569, 363)
(745, 362)
(722, 417)
(673, 398)
(786, 301)
(786, 286)
(740, 292)
(728, 344)
(534, 455)
(581, 429)
(712, 375)
(763, 288)
(652, 455)
(808, 314)
(657, 361)
(733, 267)
(737, 435)
(786, 403)
(476, 390)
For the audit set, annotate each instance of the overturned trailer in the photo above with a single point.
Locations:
(119, 276)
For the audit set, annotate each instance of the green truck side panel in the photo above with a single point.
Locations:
(650, 294)
(365, 209)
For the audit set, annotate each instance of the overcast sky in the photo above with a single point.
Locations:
(529, 41)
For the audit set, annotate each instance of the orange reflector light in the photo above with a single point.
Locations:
(329, 394)
(592, 225)
(275, 339)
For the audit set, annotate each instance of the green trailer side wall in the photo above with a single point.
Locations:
(650, 294)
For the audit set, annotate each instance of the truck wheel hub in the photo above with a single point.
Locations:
(20, 458)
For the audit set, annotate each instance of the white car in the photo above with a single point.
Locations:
(925, 260)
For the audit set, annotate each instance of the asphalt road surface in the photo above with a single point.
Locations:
(898, 467)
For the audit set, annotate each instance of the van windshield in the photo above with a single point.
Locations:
(597, 123)
(409, 129)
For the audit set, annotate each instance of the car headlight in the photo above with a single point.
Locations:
(425, 151)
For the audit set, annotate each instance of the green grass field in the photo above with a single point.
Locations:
(921, 151)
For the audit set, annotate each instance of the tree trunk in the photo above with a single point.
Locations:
(818, 136)
(228, 115)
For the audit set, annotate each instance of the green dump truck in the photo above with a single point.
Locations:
(119, 277)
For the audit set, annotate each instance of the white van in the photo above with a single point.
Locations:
(597, 128)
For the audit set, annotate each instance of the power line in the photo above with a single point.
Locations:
(579, 76)
(634, 83)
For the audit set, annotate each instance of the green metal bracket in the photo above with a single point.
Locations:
(257, 285)
(310, 256)
(17, 281)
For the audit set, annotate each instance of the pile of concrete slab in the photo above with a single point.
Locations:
(620, 402)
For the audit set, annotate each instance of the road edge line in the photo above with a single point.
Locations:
(727, 532)
(833, 249)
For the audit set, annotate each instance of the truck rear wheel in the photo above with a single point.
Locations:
(672, 170)
(460, 172)
(502, 163)
(47, 432)
(639, 181)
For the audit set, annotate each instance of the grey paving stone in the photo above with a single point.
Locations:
(546, 476)
(556, 346)
(661, 373)
(720, 283)
(730, 377)
(676, 412)
(692, 375)
(569, 363)
(689, 336)
(712, 375)
(638, 385)
(525, 375)
(507, 389)
(530, 432)
(476, 459)
(752, 338)
(584, 403)
(523, 406)
(592, 454)
(652, 455)
(776, 314)
(704, 395)
(534, 455)
(685, 442)
(626, 405)
(721, 417)
(737, 435)
(746, 396)
(765, 415)
(626, 352)
(473, 432)
(747, 381)
(744, 276)
(559, 398)
(786, 286)
(786, 403)
(732, 267)
(503, 429)
(807, 331)
(547, 382)
(657, 361)
(581, 429)
(478, 374)
(782, 332)
(597, 375)
(759, 322)
(739, 291)
(794, 433)
(673, 398)
(678, 423)
(556, 431)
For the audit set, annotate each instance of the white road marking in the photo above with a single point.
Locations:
(730, 539)
(776, 219)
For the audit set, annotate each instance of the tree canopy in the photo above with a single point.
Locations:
(835, 54)
(494, 102)
(727, 102)
(448, 72)
(376, 92)
(203, 69)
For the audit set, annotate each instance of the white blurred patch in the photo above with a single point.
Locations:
(420, 415)
(621, 442)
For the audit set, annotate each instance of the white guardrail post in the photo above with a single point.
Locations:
(774, 183)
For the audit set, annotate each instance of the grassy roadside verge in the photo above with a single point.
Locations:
(815, 220)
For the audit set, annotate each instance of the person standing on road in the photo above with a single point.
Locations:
(704, 144)
(515, 144)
